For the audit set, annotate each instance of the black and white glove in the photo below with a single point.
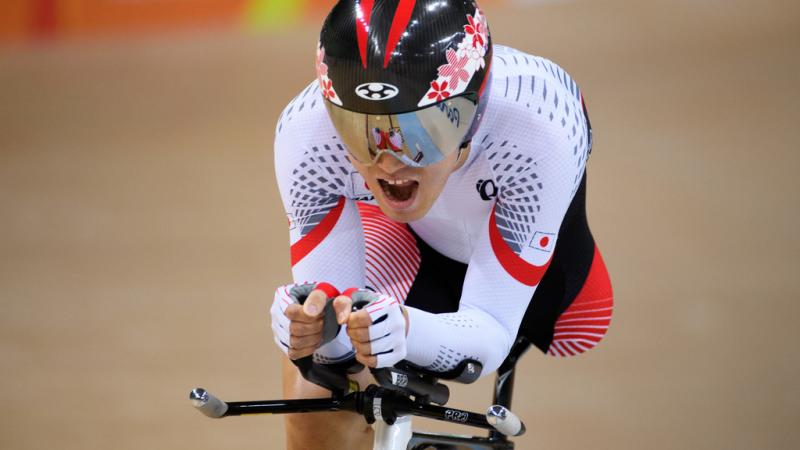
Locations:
(377, 327)
(304, 323)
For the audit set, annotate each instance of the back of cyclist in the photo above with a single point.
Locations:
(442, 179)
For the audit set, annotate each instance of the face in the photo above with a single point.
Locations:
(406, 193)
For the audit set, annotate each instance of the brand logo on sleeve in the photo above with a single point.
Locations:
(487, 189)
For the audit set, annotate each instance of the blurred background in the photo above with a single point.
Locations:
(141, 234)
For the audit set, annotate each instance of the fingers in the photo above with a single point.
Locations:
(305, 325)
(362, 348)
(297, 353)
(301, 342)
(297, 328)
(342, 305)
(305, 329)
(378, 333)
(358, 334)
(297, 313)
(314, 303)
(359, 319)
(369, 361)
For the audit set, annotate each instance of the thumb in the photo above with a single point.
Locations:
(342, 306)
(315, 302)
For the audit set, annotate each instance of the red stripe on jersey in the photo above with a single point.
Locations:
(363, 16)
(586, 320)
(522, 271)
(399, 24)
(389, 247)
(391, 255)
(404, 250)
(391, 272)
(310, 241)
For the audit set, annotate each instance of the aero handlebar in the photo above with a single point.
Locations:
(374, 403)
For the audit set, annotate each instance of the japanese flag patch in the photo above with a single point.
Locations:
(544, 242)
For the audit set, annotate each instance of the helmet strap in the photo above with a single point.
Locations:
(462, 150)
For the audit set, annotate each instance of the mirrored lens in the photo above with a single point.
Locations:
(417, 138)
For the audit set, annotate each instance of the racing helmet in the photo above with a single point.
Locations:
(405, 77)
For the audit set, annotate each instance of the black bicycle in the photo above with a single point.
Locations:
(403, 391)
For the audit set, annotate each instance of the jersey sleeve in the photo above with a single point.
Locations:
(325, 235)
(538, 170)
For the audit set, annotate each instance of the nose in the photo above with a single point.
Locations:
(389, 163)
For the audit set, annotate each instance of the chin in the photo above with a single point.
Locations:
(404, 216)
(414, 212)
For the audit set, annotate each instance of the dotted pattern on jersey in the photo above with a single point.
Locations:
(518, 202)
(392, 256)
(448, 359)
(320, 178)
(545, 88)
(311, 197)
(309, 98)
(456, 320)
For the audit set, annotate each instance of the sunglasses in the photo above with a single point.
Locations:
(418, 138)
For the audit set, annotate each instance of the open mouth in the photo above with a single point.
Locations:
(399, 191)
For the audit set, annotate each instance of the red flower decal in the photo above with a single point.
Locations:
(455, 68)
(439, 91)
(327, 89)
(476, 30)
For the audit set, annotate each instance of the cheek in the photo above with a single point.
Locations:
(364, 171)
(434, 185)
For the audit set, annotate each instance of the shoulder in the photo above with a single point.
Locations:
(510, 63)
(304, 117)
(308, 152)
(534, 90)
(534, 105)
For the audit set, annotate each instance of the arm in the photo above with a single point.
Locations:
(508, 262)
(324, 226)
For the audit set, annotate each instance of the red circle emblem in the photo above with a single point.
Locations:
(544, 241)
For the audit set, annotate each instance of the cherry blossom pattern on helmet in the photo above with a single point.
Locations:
(462, 63)
(325, 83)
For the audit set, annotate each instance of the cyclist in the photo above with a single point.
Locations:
(441, 178)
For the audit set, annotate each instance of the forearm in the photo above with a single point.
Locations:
(440, 341)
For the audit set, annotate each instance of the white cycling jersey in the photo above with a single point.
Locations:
(499, 213)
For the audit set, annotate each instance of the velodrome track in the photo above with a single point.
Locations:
(141, 233)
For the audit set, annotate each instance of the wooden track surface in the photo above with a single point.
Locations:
(141, 233)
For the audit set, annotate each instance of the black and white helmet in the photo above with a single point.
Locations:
(408, 77)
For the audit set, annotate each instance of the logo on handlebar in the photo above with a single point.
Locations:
(399, 379)
(456, 416)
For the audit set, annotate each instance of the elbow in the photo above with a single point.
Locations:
(499, 342)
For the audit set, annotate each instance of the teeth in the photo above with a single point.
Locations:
(397, 182)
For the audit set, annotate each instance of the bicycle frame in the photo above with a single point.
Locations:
(400, 436)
